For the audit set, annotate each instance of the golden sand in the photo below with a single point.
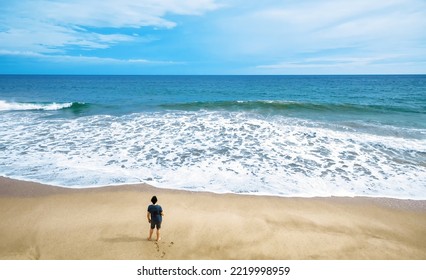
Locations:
(46, 222)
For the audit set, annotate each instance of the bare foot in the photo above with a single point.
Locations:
(149, 238)
(159, 239)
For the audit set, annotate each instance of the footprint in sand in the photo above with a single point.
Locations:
(157, 248)
(164, 253)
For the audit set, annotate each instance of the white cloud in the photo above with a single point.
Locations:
(57, 58)
(287, 30)
(357, 64)
(124, 13)
(47, 38)
(322, 62)
(47, 26)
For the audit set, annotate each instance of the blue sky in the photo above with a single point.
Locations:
(212, 37)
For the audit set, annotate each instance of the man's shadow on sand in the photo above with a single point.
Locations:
(123, 238)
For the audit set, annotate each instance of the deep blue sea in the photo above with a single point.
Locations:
(271, 135)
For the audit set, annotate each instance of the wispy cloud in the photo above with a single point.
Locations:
(49, 38)
(317, 24)
(85, 59)
(333, 62)
(45, 26)
(385, 64)
(295, 31)
(124, 13)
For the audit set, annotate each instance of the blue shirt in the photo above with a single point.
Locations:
(155, 211)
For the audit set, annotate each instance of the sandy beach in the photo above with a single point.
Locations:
(47, 222)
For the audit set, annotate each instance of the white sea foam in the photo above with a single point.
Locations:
(15, 106)
(214, 151)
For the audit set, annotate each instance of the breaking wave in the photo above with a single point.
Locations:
(33, 106)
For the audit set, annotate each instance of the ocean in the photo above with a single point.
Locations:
(294, 136)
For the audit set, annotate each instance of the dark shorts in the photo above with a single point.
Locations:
(155, 224)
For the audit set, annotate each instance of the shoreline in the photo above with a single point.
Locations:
(36, 189)
(47, 222)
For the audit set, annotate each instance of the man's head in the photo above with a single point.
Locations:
(154, 199)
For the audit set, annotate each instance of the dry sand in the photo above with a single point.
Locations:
(46, 222)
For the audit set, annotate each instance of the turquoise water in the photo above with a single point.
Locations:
(276, 135)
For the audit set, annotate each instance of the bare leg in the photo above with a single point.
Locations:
(158, 235)
(150, 233)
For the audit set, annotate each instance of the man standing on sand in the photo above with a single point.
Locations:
(154, 215)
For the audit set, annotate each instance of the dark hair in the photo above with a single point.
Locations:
(154, 199)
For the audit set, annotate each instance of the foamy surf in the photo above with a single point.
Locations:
(24, 106)
(215, 151)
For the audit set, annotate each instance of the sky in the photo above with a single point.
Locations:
(202, 37)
